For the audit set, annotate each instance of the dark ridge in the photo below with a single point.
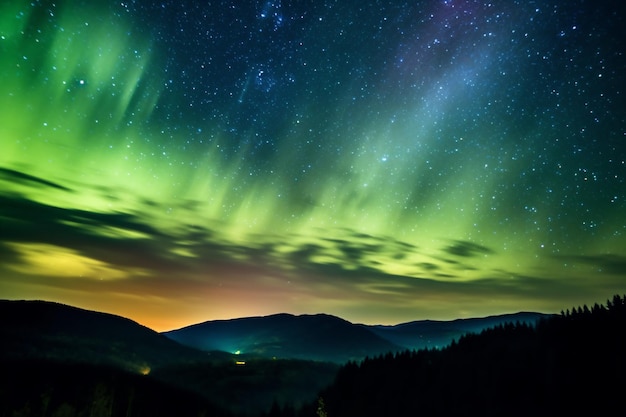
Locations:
(318, 337)
(46, 330)
(424, 334)
(17, 176)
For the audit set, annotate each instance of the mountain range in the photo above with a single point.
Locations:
(328, 338)
(241, 365)
(427, 334)
(109, 339)
(64, 361)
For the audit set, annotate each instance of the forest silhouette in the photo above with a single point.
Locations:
(568, 364)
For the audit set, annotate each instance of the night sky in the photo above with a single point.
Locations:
(183, 161)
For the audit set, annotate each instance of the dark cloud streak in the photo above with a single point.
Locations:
(467, 249)
(13, 176)
(607, 263)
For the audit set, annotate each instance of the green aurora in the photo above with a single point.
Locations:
(388, 186)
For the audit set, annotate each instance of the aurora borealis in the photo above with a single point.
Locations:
(182, 161)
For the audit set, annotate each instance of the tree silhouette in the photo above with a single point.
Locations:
(565, 364)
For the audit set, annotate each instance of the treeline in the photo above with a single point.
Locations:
(569, 364)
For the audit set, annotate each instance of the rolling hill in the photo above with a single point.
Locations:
(46, 330)
(319, 337)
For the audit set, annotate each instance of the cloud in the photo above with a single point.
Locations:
(607, 263)
(13, 176)
(111, 238)
(133, 239)
(344, 262)
(134, 251)
(8, 254)
(428, 266)
(54, 261)
(467, 249)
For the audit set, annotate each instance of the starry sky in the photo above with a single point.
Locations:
(183, 161)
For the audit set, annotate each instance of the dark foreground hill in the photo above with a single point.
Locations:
(67, 357)
(318, 337)
(570, 364)
(37, 388)
(46, 330)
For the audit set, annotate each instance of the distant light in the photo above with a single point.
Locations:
(237, 352)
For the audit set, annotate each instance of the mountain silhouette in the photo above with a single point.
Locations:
(47, 330)
(426, 334)
(50, 330)
(324, 337)
(318, 337)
